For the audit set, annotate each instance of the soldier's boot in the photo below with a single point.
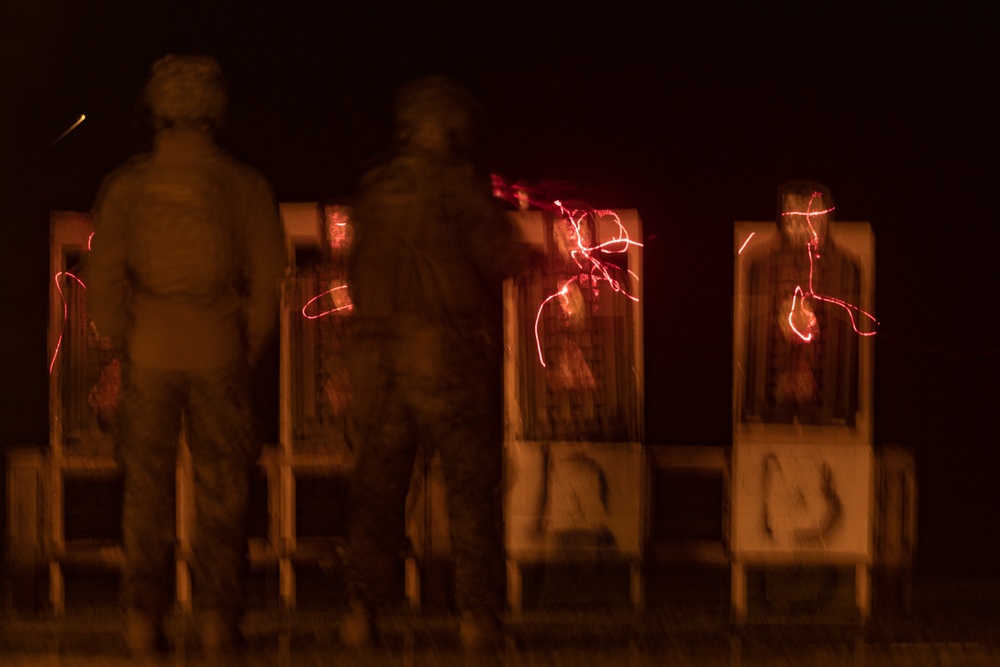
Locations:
(143, 633)
(357, 627)
(220, 634)
(480, 630)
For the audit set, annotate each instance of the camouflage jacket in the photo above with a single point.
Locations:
(187, 257)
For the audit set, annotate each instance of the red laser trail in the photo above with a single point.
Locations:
(800, 296)
(340, 298)
(62, 331)
(593, 271)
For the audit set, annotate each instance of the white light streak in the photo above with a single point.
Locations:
(72, 127)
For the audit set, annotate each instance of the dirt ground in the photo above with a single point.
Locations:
(686, 623)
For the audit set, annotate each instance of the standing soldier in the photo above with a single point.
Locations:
(431, 251)
(184, 275)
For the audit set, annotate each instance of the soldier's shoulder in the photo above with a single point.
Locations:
(126, 173)
(391, 174)
(134, 165)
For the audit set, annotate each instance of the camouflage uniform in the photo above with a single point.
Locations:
(224, 446)
(429, 258)
(183, 277)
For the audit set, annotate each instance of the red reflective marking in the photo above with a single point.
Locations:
(62, 331)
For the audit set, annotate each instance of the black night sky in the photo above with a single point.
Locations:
(693, 117)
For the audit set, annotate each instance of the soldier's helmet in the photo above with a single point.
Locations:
(440, 101)
(186, 88)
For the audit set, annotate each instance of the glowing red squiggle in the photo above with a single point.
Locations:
(811, 319)
(808, 213)
(591, 267)
(800, 296)
(65, 305)
(589, 264)
(538, 316)
(341, 302)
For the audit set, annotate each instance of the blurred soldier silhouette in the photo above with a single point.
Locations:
(188, 254)
(431, 251)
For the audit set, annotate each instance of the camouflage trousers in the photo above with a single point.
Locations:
(215, 406)
(438, 392)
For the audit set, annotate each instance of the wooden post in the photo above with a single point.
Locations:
(25, 525)
(286, 571)
(637, 587)
(738, 591)
(514, 586)
(184, 514)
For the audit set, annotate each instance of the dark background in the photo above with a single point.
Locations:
(692, 116)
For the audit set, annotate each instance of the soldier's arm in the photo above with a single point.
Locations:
(106, 269)
(265, 267)
(497, 244)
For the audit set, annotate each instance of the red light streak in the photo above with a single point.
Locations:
(62, 296)
(746, 243)
(583, 254)
(339, 229)
(801, 296)
(538, 316)
(592, 269)
(341, 301)
(808, 213)
(806, 313)
(523, 196)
